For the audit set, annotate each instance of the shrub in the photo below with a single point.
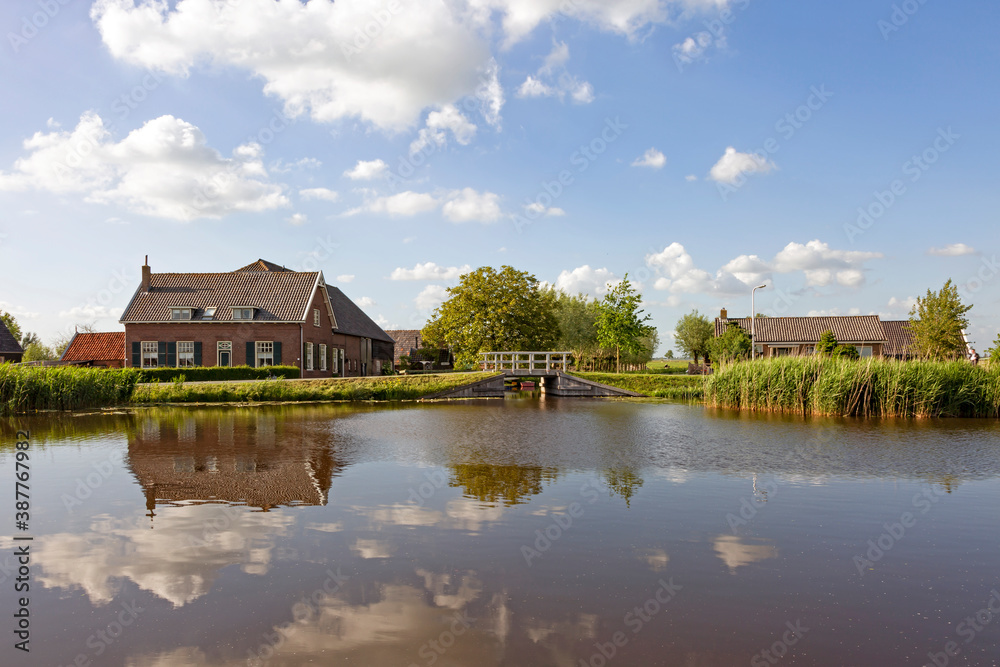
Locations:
(218, 373)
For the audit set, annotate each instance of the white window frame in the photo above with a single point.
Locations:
(239, 312)
(861, 351)
(150, 347)
(180, 313)
(315, 317)
(322, 356)
(309, 357)
(336, 361)
(223, 346)
(183, 362)
(264, 353)
(209, 313)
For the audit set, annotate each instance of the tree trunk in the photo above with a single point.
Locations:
(618, 359)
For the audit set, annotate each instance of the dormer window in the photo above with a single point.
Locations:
(209, 314)
(243, 313)
(180, 313)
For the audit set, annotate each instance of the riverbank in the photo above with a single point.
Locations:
(864, 388)
(656, 385)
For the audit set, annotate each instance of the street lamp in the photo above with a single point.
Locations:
(753, 321)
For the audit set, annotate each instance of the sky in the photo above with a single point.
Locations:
(845, 153)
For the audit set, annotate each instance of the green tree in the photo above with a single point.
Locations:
(12, 325)
(732, 345)
(827, 343)
(493, 311)
(619, 322)
(693, 334)
(576, 317)
(669, 355)
(38, 352)
(846, 351)
(994, 352)
(937, 321)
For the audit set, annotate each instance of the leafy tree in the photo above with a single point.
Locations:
(29, 338)
(937, 321)
(619, 324)
(38, 352)
(12, 325)
(994, 352)
(693, 334)
(732, 345)
(493, 311)
(846, 351)
(576, 317)
(669, 355)
(827, 343)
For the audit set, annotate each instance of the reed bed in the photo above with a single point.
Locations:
(859, 388)
(384, 388)
(30, 388)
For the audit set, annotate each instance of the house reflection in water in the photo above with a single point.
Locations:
(256, 458)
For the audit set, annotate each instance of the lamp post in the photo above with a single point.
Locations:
(753, 321)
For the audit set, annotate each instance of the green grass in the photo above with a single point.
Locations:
(863, 388)
(667, 366)
(384, 388)
(659, 385)
(29, 388)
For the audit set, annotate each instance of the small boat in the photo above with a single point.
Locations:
(527, 385)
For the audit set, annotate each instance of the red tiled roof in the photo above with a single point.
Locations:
(278, 296)
(847, 329)
(105, 346)
(900, 338)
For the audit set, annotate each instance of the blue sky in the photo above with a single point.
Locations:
(704, 146)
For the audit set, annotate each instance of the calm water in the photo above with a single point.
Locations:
(516, 532)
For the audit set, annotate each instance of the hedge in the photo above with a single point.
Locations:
(203, 373)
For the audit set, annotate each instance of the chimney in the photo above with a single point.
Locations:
(723, 314)
(145, 275)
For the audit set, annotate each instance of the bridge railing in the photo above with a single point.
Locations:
(546, 362)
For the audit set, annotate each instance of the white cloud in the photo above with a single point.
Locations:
(281, 167)
(696, 47)
(690, 177)
(733, 165)
(367, 170)
(365, 302)
(402, 204)
(953, 250)
(345, 278)
(319, 193)
(468, 205)
(449, 118)
(431, 297)
(833, 312)
(297, 219)
(652, 158)
(820, 265)
(429, 271)
(164, 169)
(19, 312)
(91, 312)
(538, 209)
(552, 79)
(585, 280)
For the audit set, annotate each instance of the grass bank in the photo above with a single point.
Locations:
(30, 388)
(383, 388)
(659, 385)
(863, 388)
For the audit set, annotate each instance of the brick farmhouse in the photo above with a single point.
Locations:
(260, 315)
(798, 336)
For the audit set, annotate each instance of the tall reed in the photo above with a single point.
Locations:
(862, 388)
(30, 388)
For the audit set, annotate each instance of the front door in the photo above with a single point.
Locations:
(225, 348)
(224, 358)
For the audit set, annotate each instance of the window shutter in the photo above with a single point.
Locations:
(277, 353)
(329, 358)
(161, 353)
(197, 353)
(171, 354)
(304, 355)
(251, 361)
(136, 354)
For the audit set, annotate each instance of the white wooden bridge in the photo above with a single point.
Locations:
(549, 367)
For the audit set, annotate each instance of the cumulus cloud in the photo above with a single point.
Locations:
(697, 47)
(91, 312)
(470, 206)
(367, 170)
(406, 203)
(319, 193)
(552, 79)
(537, 210)
(365, 302)
(345, 278)
(953, 250)
(439, 123)
(19, 312)
(431, 297)
(652, 158)
(820, 265)
(429, 271)
(586, 280)
(297, 219)
(733, 166)
(164, 169)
